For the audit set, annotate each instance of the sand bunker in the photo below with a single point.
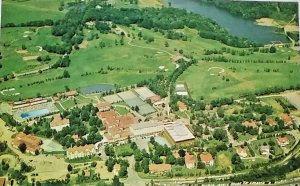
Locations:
(26, 58)
(84, 44)
(266, 22)
(21, 51)
(291, 28)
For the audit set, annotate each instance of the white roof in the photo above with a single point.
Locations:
(146, 128)
(179, 132)
(144, 93)
(182, 93)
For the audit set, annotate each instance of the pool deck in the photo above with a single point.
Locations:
(49, 106)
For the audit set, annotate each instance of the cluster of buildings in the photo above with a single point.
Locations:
(190, 162)
(116, 126)
(67, 94)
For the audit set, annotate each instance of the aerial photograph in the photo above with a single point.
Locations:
(149, 93)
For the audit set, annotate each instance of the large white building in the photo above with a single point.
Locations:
(146, 128)
(178, 133)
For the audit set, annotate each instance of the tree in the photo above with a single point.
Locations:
(25, 167)
(181, 153)
(166, 44)
(70, 168)
(22, 147)
(94, 164)
(220, 134)
(116, 181)
(66, 74)
(272, 49)
(236, 159)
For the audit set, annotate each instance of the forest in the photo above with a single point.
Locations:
(255, 10)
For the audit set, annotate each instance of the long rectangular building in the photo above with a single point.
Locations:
(178, 134)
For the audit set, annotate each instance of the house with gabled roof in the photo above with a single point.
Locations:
(207, 159)
(283, 141)
(190, 161)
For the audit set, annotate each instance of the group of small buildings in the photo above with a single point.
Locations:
(67, 94)
(286, 118)
(190, 163)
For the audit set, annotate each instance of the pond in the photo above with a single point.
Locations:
(236, 25)
(99, 88)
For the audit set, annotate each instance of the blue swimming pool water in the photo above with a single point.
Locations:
(35, 113)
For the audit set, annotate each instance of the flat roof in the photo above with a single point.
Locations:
(179, 132)
(144, 93)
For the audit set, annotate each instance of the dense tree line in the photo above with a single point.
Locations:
(222, 58)
(269, 173)
(255, 10)
(163, 19)
(47, 22)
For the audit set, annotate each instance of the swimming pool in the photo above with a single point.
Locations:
(35, 113)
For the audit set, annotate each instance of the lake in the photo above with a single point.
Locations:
(99, 88)
(237, 26)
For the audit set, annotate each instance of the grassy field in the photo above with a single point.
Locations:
(272, 102)
(244, 79)
(33, 9)
(223, 160)
(122, 111)
(132, 64)
(245, 137)
(123, 150)
(127, 68)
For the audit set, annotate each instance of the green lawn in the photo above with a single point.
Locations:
(14, 38)
(122, 111)
(272, 102)
(223, 161)
(19, 11)
(212, 143)
(245, 137)
(68, 104)
(244, 80)
(133, 64)
(124, 150)
(128, 68)
(59, 107)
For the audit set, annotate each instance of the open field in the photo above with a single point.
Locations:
(127, 68)
(135, 61)
(33, 9)
(244, 79)
(272, 102)
(224, 160)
